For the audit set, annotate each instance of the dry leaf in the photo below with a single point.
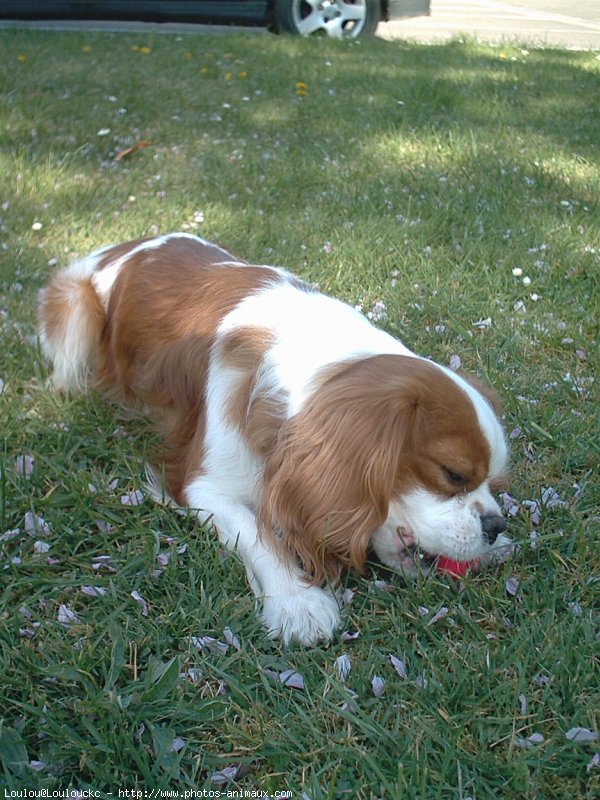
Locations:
(133, 149)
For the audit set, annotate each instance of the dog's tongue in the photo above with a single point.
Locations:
(447, 566)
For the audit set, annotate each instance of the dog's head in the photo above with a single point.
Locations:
(393, 451)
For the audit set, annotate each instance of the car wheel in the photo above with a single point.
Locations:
(335, 18)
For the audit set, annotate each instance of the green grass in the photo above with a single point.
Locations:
(419, 177)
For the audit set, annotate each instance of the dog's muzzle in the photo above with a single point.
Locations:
(492, 525)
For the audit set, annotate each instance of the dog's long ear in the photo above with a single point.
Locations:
(331, 475)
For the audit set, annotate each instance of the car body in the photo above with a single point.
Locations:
(339, 18)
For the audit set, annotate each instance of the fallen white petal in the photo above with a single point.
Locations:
(509, 504)
(523, 704)
(93, 591)
(534, 511)
(24, 465)
(35, 524)
(581, 735)
(399, 666)
(455, 363)
(438, 616)
(343, 666)
(232, 639)
(66, 616)
(210, 644)
(551, 498)
(132, 498)
(140, 600)
(224, 775)
(291, 678)
(535, 738)
(347, 597)
(594, 763)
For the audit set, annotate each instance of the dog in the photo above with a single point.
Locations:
(304, 433)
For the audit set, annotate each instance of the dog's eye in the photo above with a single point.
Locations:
(455, 478)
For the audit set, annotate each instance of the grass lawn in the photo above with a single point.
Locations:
(452, 192)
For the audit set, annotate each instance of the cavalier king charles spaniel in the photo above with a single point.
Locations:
(304, 434)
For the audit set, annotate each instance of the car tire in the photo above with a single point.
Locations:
(335, 18)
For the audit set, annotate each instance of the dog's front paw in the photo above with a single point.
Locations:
(307, 616)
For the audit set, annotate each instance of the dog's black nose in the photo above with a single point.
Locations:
(492, 525)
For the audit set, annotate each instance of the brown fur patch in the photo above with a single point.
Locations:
(374, 428)
(163, 312)
(244, 348)
(258, 416)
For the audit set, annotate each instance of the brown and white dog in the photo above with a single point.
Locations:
(304, 433)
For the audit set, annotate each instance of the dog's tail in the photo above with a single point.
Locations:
(71, 320)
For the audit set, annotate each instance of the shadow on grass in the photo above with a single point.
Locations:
(466, 140)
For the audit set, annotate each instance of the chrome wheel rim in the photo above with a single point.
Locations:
(336, 18)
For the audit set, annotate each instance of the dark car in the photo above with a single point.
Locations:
(331, 17)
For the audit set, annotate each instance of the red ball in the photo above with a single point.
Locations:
(447, 566)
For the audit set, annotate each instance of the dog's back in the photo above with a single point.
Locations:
(94, 335)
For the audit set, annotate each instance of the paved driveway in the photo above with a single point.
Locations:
(562, 23)
(541, 22)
